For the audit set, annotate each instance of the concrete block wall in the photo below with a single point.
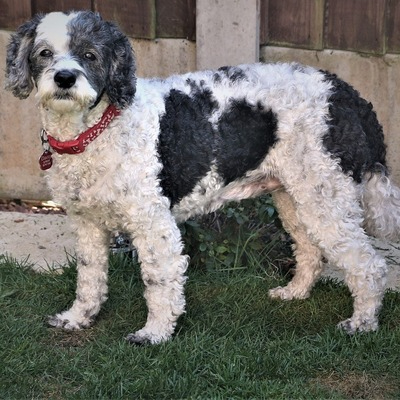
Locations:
(20, 149)
(227, 32)
(225, 36)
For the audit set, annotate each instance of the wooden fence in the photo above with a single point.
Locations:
(138, 18)
(368, 26)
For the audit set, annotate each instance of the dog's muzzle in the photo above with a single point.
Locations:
(65, 79)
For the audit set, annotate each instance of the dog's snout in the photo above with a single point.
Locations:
(65, 79)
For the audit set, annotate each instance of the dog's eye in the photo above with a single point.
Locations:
(46, 53)
(89, 56)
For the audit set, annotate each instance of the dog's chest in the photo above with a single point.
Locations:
(108, 180)
(83, 186)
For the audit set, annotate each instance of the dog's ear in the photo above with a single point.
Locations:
(121, 81)
(18, 75)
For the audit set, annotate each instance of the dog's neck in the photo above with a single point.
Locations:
(65, 126)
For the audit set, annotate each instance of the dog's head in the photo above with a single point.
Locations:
(72, 59)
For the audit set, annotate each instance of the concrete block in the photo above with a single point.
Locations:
(374, 77)
(164, 57)
(20, 146)
(45, 241)
(227, 32)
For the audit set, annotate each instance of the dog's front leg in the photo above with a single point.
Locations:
(159, 246)
(92, 264)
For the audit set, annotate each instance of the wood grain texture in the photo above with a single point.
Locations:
(355, 25)
(176, 19)
(136, 18)
(46, 6)
(393, 26)
(292, 22)
(13, 13)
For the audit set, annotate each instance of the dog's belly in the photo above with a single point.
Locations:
(205, 198)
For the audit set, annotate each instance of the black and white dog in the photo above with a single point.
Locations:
(141, 155)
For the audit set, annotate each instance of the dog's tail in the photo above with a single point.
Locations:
(381, 203)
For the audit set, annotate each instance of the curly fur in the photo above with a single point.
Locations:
(185, 145)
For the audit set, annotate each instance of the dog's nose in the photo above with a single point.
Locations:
(65, 79)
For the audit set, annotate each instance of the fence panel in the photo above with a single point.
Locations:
(136, 18)
(370, 26)
(296, 22)
(355, 25)
(45, 6)
(176, 19)
(393, 26)
(14, 13)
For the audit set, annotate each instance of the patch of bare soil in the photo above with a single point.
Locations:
(30, 206)
(359, 385)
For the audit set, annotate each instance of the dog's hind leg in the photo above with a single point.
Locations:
(308, 256)
(92, 263)
(327, 204)
(163, 267)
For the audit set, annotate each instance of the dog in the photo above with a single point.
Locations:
(142, 155)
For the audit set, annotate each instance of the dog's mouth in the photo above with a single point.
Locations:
(63, 95)
(62, 101)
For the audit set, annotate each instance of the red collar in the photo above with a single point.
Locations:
(79, 144)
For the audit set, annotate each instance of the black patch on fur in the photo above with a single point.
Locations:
(186, 141)
(113, 69)
(355, 136)
(189, 143)
(234, 74)
(18, 66)
(245, 135)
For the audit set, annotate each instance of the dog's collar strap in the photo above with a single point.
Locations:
(79, 144)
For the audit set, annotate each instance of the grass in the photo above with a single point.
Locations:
(233, 342)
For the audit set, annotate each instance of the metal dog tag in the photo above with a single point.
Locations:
(45, 160)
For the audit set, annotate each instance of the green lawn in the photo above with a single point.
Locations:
(233, 342)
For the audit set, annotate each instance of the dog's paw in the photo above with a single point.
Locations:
(143, 337)
(288, 293)
(67, 321)
(352, 326)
